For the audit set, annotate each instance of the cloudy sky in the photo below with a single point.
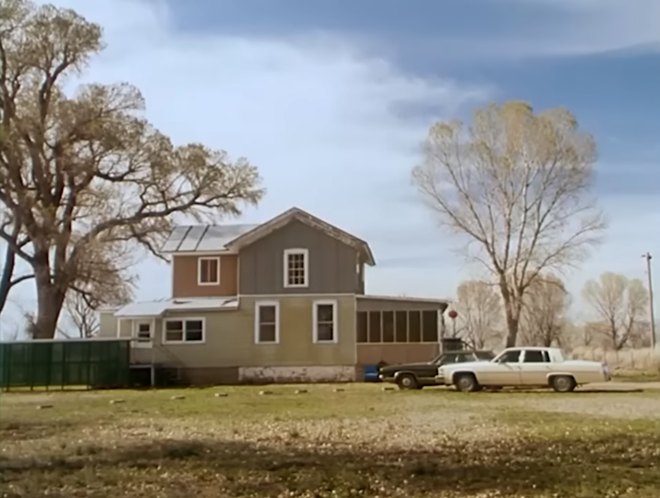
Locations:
(332, 98)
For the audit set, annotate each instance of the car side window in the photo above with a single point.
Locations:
(448, 359)
(510, 357)
(535, 356)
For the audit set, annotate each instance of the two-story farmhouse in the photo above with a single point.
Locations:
(283, 300)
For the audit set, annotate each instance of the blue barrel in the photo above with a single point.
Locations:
(371, 373)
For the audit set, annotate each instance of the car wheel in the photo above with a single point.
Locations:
(407, 381)
(563, 383)
(466, 383)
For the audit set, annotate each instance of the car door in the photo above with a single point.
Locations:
(503, 371)
(535, 367)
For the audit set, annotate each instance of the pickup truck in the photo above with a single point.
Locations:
(419, 375)
(524, 367)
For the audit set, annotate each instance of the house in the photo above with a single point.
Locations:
(280, 301)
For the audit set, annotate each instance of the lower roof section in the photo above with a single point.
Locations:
(159, 308)
(375, 303)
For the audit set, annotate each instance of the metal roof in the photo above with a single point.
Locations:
(195, 238)
(158, 308)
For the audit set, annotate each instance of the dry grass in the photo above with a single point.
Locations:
(624, 362)
(360, 442)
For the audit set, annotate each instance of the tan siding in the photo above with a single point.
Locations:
(230, 338)
(125, 328)
(107, 324)
(332, 264)
(371, 354)
(184, 275)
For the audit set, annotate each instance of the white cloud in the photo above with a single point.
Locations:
(322, 121)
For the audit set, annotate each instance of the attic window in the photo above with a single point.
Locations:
(296, 268)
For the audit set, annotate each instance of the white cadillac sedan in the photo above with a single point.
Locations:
(524, 367)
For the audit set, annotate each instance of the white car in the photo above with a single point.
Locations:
(524, 367)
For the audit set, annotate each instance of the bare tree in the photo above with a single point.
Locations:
(479, 308)
(103, 280)
(620, 304)
(8, 280)
(516, 186)
(543, 318)
(86, 171)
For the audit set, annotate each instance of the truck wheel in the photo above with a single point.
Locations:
(563, 383)
(407, 381)
(466, 383)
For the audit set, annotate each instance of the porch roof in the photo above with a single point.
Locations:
(370, 301)
(375, 297)
(159, 308)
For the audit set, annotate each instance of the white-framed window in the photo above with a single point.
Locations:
(296, 268)
(143, 333)
(267, 322)
(325, 321)
(184, 330)
(208, 271)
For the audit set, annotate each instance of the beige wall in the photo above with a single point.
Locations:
(107, 324)
(230, 338)
(184, 275)
(371, 354)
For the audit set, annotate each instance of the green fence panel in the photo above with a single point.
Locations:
(57, 363)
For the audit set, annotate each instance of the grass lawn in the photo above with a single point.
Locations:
(362, 441)
(650, 376)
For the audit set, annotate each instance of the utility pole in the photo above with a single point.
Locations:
(648, 258)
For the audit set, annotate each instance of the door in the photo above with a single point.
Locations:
(504, 371)
(535, 367)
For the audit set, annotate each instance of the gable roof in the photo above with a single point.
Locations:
(260, 231)
(212, 238)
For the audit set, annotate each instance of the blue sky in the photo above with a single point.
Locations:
(332, 98)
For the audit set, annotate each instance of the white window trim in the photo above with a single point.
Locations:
(287, 253)
(184, 320)
(257, 306)
(335, 328)
(134, 332)
(199, 270)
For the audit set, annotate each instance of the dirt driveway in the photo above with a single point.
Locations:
(621, 386)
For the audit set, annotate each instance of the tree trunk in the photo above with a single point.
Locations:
(49, 307)
(5, 278)
(512, 323)
(512, 313)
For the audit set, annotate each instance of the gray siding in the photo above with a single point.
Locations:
(332, 264)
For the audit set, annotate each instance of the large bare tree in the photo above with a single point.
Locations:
(620, 305)
(86, 173)
(516, 184)
(543, 318)
(479, 308)
(8, 279)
